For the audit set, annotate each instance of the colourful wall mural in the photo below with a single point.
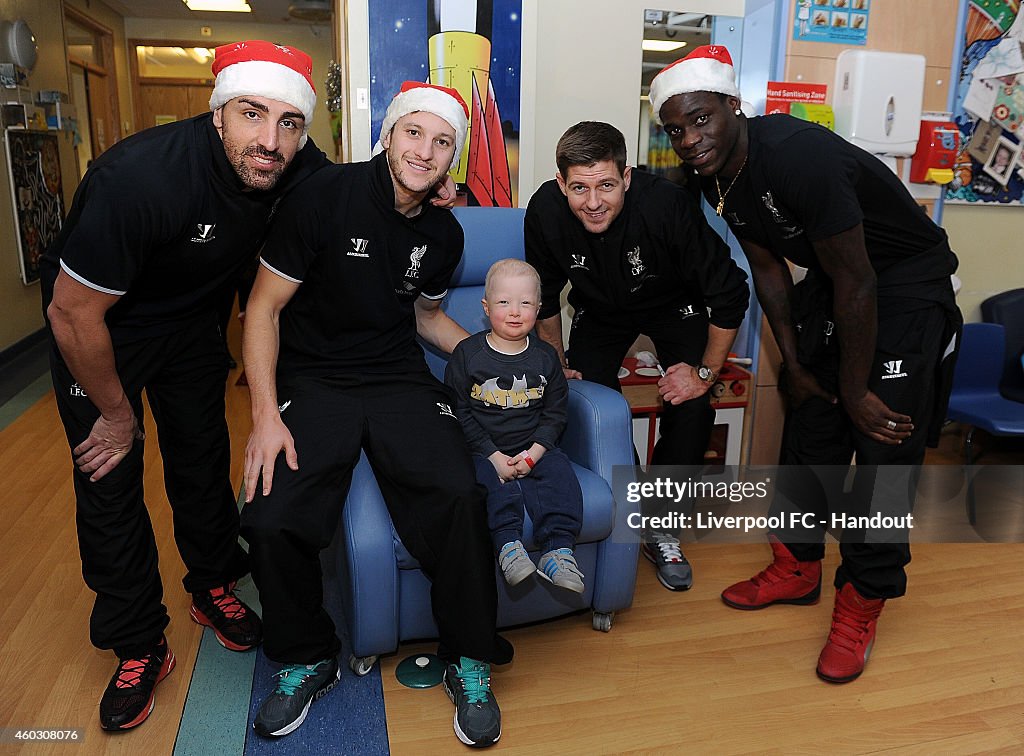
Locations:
(475, 47)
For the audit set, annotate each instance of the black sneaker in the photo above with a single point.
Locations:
(477, 716)
(674, 571)
(236, 626)
(298, 686)
(129, 697)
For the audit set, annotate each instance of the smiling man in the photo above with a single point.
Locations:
(868, 338)
(355, 268)
(131, 289)
(641, 259)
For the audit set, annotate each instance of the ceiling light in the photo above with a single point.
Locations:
(230, 6)
(661, 45)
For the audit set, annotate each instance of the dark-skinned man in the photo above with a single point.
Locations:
(867, 339)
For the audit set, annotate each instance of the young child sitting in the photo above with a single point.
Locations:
(511, 398)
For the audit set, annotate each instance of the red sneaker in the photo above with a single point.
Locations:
(849, 643)
(784, 581)
(235, 625)
(129, 697)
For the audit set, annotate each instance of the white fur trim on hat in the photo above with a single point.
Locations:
(707, 69)
(431, 99)
(265, 79)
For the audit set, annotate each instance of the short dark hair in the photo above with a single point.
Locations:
(590, 142)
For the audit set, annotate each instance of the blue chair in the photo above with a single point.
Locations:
(1007, 309)
(385, 595)
(975, 400)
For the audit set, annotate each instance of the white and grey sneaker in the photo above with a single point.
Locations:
(674, 572)
(515, 563)
(558, 566)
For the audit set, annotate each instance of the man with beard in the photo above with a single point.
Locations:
(356, 266)
(868, 338)
(131, 289)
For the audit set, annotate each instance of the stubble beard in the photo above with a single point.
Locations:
(253, 178)
(397, 170)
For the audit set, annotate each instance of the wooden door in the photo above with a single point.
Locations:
(102, 130)
(163, 103)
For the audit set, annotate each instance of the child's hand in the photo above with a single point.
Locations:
(503, 466)
(524, 461)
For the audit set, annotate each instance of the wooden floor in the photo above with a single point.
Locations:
(678, 673)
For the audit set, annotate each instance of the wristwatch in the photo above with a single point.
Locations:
(706, 374)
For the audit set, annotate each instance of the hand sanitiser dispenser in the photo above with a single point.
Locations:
(877, 100)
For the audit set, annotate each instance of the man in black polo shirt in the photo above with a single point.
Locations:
(131, 292)
(356, 266)
(868, 338)
(641, 259)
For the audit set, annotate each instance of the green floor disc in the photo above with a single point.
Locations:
(420, 671)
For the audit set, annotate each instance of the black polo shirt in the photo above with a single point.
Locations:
(802, 183)
(361, 265)
(659, 252)
(162, 220)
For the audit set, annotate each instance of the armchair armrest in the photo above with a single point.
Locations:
(599, 436)
(599, 431)
(367, 565)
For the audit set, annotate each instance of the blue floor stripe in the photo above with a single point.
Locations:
(348, 720)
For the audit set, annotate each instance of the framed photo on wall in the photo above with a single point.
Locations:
(33, 161)
(1003, 160)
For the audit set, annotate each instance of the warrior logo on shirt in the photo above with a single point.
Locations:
(687, 312)
(205, 233)
(414, 261)
(579, 261)
(517, 397)
(634, 259)
(893, 369)
(359, 248)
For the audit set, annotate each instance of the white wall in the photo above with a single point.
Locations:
(987, 241)
(585, 66)
(314, 40)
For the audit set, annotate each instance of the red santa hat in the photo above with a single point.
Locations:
(708, 68)
(444, 102)
(264, 69)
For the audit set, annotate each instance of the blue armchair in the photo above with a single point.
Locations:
(385, 595)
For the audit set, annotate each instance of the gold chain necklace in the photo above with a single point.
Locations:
(722, 195)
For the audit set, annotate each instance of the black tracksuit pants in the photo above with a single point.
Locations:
(422, 463)
(183, 375)
(818, 433)
(550, 493)
(597, 346)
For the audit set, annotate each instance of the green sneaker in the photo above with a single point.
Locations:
(298, 686)
(477, 716)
